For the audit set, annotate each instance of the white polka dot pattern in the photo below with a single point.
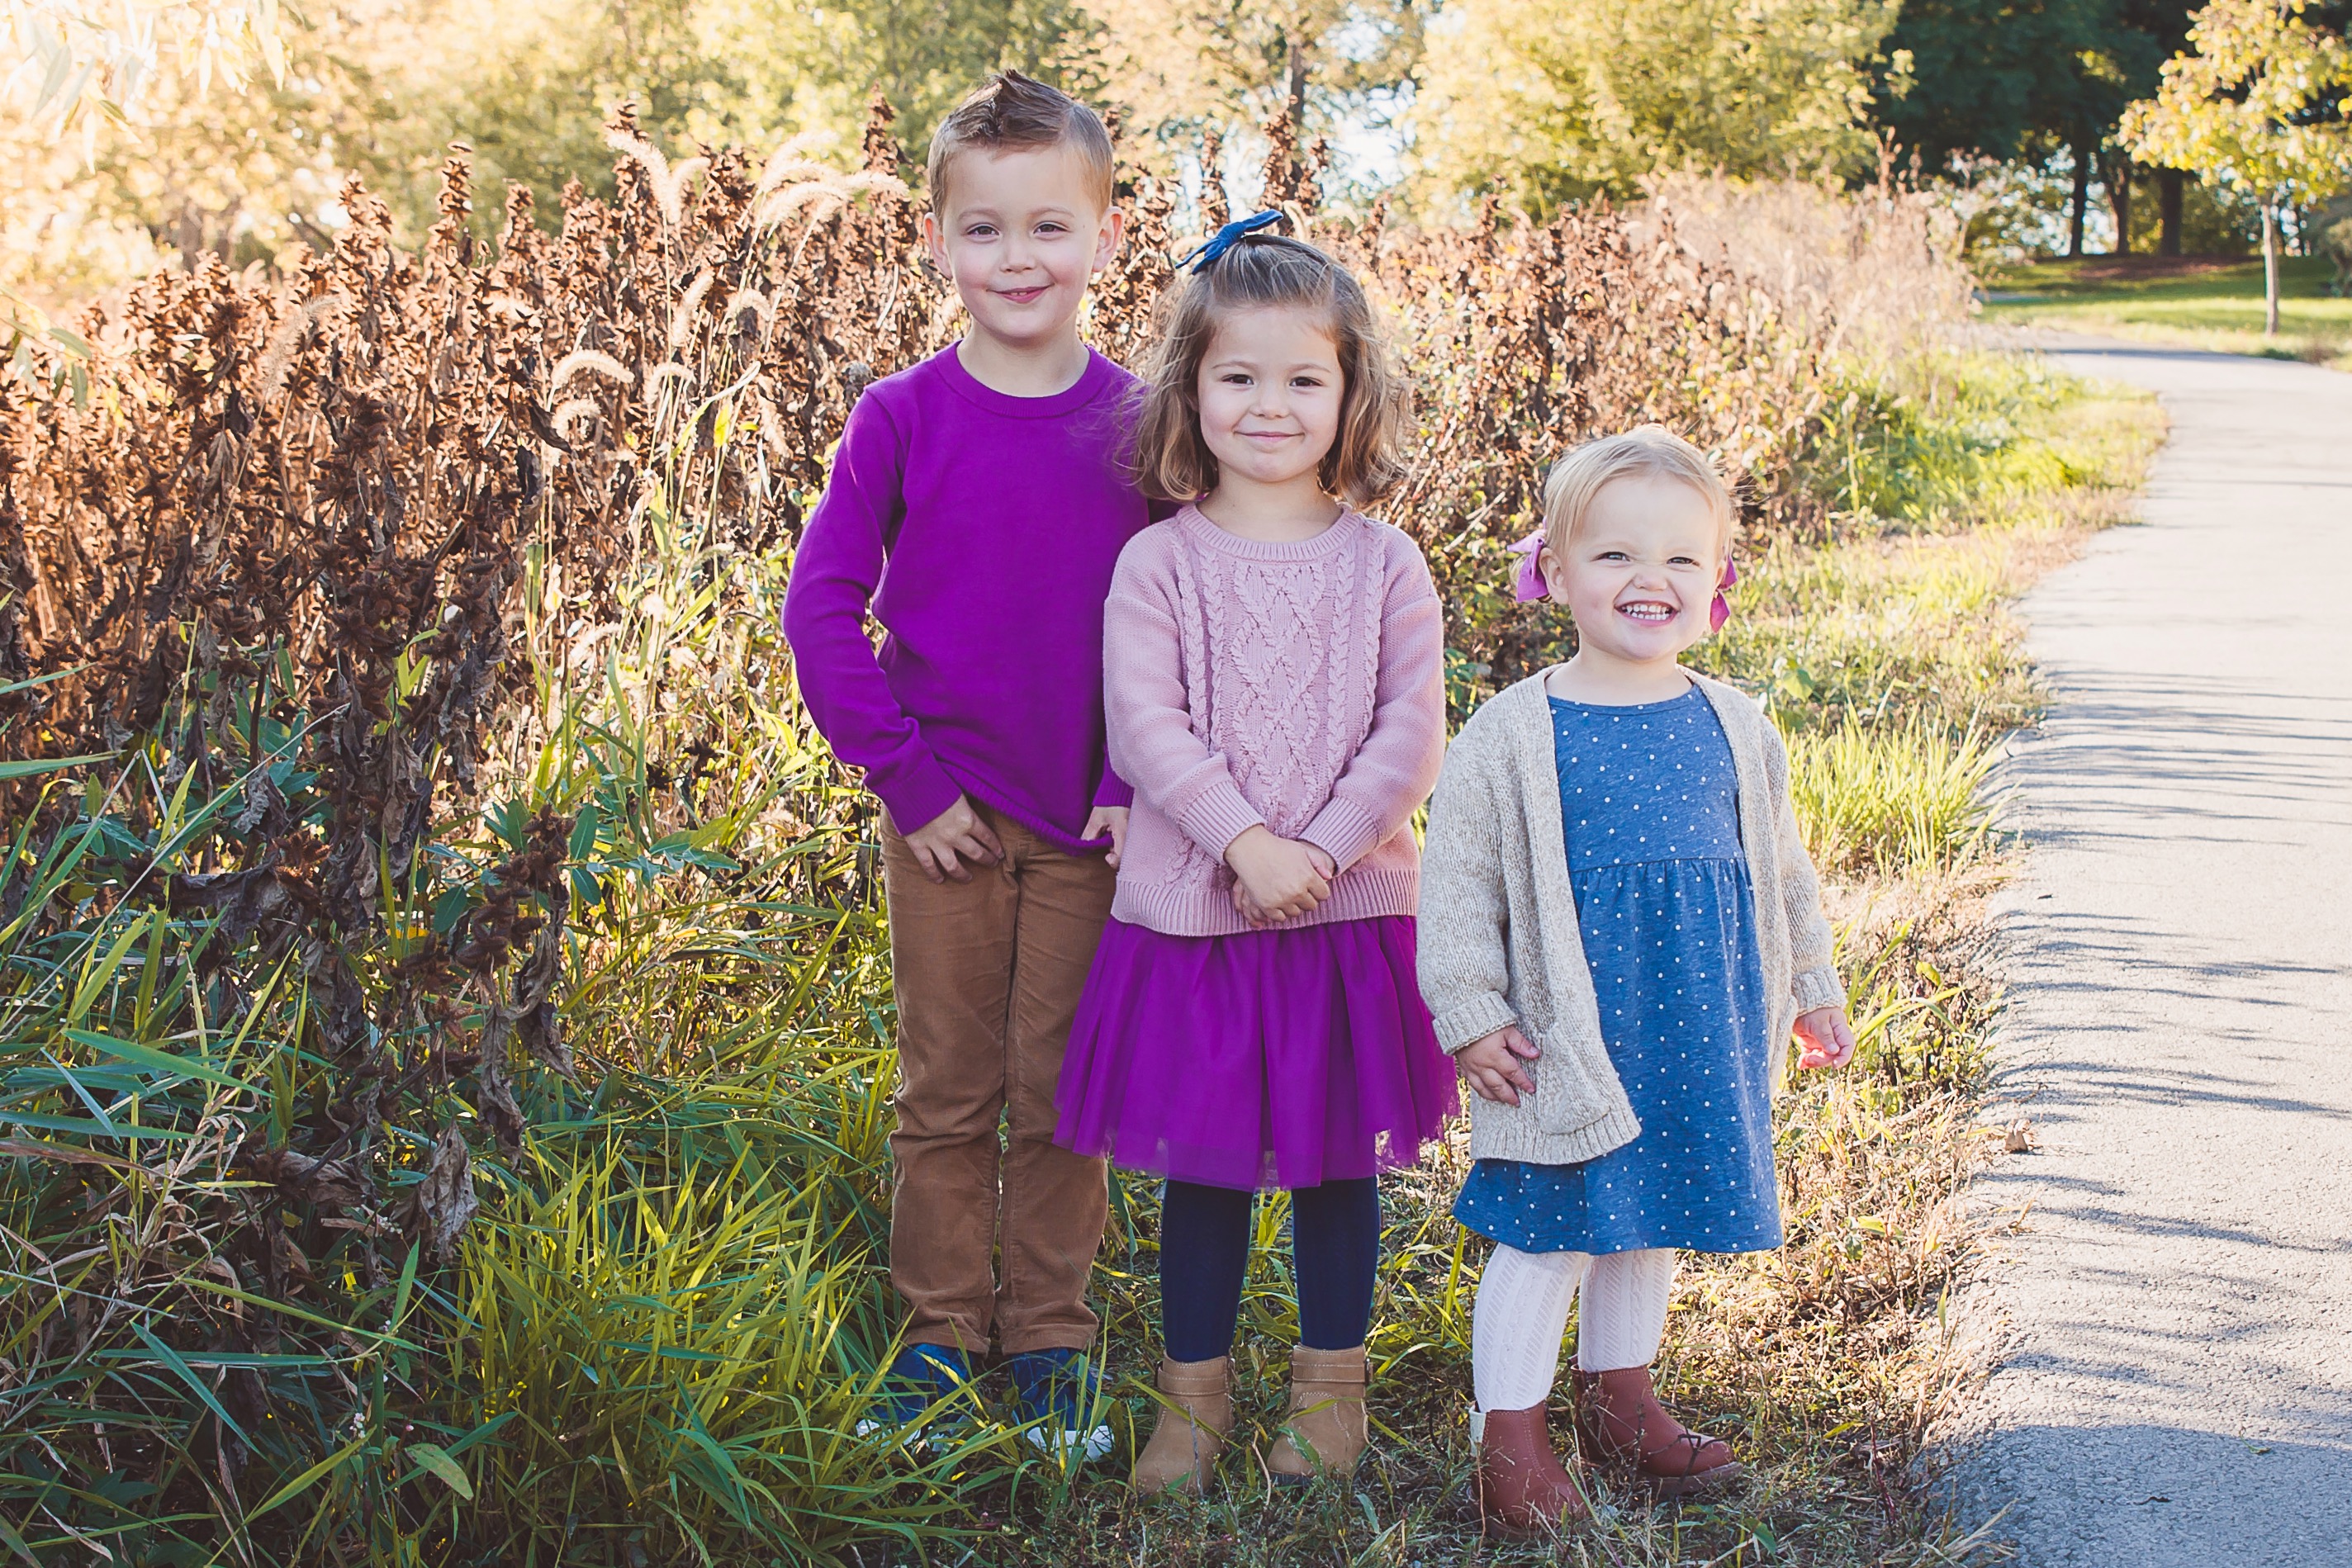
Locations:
(1651, 806)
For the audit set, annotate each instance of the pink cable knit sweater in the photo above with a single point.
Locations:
(1300, 685)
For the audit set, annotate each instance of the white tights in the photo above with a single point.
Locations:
(1522, 1311)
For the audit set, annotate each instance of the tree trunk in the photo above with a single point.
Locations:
(2168, 186)
(1296, 63)
(2270, 270)
(2082, 200)
(2120, 196)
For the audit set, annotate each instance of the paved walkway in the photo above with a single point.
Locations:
(2179, 1389)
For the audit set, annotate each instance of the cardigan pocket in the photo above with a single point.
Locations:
(1573, 1077)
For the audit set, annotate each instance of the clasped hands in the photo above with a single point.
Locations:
(1277, 879)
(1492, 1062)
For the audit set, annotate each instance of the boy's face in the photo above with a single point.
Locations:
(1021, 233)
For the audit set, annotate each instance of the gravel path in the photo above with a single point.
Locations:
(2175, 1391)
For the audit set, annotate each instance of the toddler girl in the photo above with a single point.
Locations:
(1620, 930)
(1272, 678)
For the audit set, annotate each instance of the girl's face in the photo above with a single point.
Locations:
(1640, 573)
(1270, 392)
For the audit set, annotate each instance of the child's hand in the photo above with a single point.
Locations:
(1282, 878)
(1111, 820)
(1491, 1063)
(1248, 906)
(956, 831)
(1827, 1037)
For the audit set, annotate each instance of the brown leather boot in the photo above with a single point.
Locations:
(1523, 1489)
(1619, 1421)
(1196, 1411)
(1326, 1428)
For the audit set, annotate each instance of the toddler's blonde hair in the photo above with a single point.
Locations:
(1641, 453)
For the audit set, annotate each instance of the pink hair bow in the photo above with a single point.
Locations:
(1527, 583)
(1720, 610)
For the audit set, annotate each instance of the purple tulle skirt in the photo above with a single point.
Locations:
(1284, 1057)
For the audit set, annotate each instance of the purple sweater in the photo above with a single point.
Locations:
(980, 529)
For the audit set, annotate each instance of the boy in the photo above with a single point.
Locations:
(977, 506)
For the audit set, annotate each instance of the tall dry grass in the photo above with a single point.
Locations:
(1877, 274)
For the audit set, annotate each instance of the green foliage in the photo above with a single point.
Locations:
(1179, 67)
(2253, 103)
(1555, 100)
(1954, 435)
(2002, 80)
(67, 62)
(1903, 800)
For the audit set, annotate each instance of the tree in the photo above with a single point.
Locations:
(1181, 66)
(2007, 79)
(2257, 104)
(1980, 78)
(1561, 100)
(65, 65)
(76, 61)
(381, 88)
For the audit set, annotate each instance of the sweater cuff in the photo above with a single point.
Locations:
(1114, 792)
(1217, 816)
(1344, 831)
(917, 796)
(1818, 988)
(1474, 1021)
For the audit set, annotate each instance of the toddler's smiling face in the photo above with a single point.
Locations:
(1641, 571)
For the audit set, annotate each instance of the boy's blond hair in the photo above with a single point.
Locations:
(1644, 451)
(1015, 113)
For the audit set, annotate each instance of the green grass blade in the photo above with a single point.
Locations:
(155, 1061)
(187, 1374)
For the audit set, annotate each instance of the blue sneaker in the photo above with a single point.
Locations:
(920, 1377)
(1057, 1398)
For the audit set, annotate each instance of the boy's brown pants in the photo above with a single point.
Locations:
(988, 976)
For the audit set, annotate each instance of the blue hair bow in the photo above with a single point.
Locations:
(1225, 238)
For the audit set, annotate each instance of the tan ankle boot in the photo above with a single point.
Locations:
(1196, 1411)
(1326, 1428)
(1523, 1489)
(1620, 1422)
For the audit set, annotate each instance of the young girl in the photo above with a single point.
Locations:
(1272, 686)
(1619, 928)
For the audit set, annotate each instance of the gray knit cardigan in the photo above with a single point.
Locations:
(1498, 938)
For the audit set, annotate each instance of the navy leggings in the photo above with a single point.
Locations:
(1205, 1232)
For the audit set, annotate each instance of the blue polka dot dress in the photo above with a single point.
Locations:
(1663, 899)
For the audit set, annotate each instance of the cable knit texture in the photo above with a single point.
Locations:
(1499, 942)
(1299, 685)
